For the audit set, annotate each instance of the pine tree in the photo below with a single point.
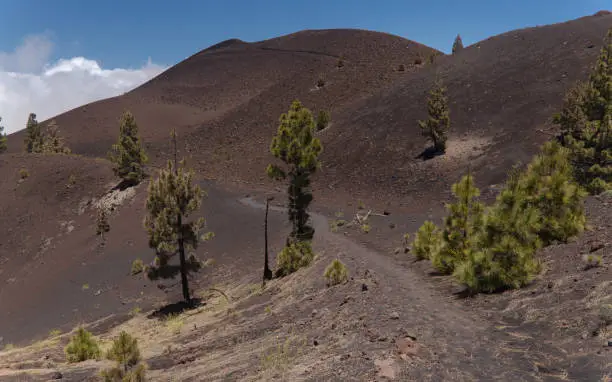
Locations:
(549, 186)
(457, 45)
(52, 142)
(504, 255)
(2, 138)
(126, 354)
(461, 227)
(437, 125)
(34, 139)
(127, 155)
(586, 124)
(296, 146)
(427, 242)
(172, 198)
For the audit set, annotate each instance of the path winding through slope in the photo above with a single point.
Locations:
(461, 344)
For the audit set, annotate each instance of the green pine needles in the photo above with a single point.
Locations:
(126, 355)
(436, 127)
(172, 198)
(127, 155)
(586, 124)
(297, 147)
(33, 139)
(494, 248)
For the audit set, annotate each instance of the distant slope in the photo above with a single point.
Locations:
(233, 73)
(225, 102)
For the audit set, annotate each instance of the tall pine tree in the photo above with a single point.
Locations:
(52, 142)
(127, 155)
(586, 124)
(33, 140)
(461, 227)
(457, 44)
(172, 199)
(436, 127)
(295, 144)
(2, 138)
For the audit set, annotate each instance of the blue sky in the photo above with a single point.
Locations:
(125, 33)
(57, 55)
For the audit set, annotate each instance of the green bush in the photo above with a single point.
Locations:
(322, 120)
(336, 273)
(549, 186)
(137, 266)
(427, 241)
(82, 346)
(462, 226)
(23, 173)
(126, 354)
(294, 256)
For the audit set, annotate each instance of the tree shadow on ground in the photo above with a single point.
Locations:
(176, 308)
(429, 153)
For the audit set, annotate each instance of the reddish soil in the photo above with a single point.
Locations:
(225, 102)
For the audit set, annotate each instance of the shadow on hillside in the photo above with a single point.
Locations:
(175, 308)
(429, 153)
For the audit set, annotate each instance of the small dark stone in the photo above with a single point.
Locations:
(315, 343)
(550, 284)
(57, 375)
(364, 287)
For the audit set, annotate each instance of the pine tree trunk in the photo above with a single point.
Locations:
(181, 244)
(267, 274)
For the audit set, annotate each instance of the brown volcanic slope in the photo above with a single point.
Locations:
(226, 101)
(229, 75)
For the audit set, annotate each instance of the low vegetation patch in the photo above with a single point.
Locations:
(137, 266)
(492, 248)
(336, 273)
(293, 257)
(126, 354)
(82, 346)
(280, 358)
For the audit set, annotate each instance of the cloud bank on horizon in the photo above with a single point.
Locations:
(29, 83)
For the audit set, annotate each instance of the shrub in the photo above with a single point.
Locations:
(461, 227)
(126, 354)
(336, 273)
(322, 120)
(137, 266)
(427, 241)
(549, 186)
(418, 60)
(82, 346)
(294, 256)
(23, 173)
(320, 83)
(592, 261)
(504, 253)
(401, 68)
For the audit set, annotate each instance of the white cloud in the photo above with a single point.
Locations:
(29, 83)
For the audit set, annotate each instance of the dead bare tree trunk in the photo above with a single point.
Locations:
(267, 274)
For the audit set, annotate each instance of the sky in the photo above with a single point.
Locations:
(58, 55)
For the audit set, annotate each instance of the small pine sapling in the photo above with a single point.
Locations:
(336, 273)
(436, 127)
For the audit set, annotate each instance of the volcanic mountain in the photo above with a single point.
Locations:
(225, 102)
